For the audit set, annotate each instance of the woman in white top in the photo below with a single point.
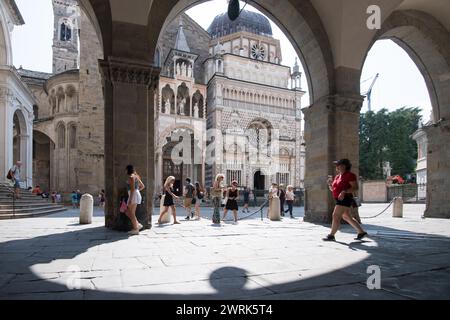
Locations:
(134, 186)
(274, 203)
(290, 198)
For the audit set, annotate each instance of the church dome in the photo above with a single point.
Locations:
(248, 21)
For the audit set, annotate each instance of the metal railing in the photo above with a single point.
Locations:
(411, 193)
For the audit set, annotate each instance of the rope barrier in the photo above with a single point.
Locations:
(376, 216)
(261, 208)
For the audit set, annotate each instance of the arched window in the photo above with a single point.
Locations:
(260, 134)
(61, 133)
(73, 137)
(66, 32)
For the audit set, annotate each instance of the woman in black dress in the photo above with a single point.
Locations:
(169, 200)
(232, 196)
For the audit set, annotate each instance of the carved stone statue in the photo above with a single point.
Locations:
(181, 106)
(196, 110)
(184, 69)
(190, 71)
(167, 106)
(178, 69)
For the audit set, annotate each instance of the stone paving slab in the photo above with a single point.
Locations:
(41, 257)
(341, 292)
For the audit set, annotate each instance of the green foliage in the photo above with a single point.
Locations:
(386, 136)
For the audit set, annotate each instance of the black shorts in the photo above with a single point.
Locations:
(232, 205)
(347, 202)
(168, 201)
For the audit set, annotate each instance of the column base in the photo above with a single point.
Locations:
(317, 217)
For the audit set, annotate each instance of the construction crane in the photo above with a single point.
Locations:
(369, 92)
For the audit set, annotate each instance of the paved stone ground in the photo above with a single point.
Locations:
(56, 258)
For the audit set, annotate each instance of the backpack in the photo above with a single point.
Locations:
(9, 176)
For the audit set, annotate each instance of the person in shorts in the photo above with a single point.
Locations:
(14, 173)
(343, 186)
(232, 204)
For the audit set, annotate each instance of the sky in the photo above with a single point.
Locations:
(400, 82)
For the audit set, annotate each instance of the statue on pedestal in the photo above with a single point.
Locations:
(196, 110)
(167, 106)
(190, 71)
(178, 69)
(181, 106)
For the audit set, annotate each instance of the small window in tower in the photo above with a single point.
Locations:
(66, 32)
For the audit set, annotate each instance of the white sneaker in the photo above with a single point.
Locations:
(140, 226)
(133, 232)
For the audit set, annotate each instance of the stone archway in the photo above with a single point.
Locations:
(259, 181)
(425, 40)
(43, 148)
(128, 71)
(21, 145)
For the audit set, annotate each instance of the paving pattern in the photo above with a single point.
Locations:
(56, 258)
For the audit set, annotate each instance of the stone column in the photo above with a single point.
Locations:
(158, 173)
(130, 86)
(331, 133)
(25, 158)
(5, 134)
(438, 170)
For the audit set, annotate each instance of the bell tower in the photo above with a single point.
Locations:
(66, 35)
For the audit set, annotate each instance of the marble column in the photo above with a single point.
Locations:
(130, 86)
(438, 170)
(331, 133)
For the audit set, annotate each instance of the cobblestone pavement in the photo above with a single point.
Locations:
(56, 258)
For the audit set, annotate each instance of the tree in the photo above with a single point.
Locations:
(386, 136)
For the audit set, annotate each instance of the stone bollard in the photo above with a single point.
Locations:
(86, 209)
(397, 212)
(274, 209)
(167, 218)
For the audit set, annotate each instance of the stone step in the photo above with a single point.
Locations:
(26, 205)
(22, 195)
(36, 213)
(10, 201)
(4, 197)
(30, 210)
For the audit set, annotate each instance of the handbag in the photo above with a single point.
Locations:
(356, 203)
(9, 175)
(123, 207)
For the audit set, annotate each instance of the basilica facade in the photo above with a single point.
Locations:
(227, 93)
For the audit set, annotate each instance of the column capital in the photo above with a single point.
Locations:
(121, 70)
(348, 103)
(338, 102)
(442, 125)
